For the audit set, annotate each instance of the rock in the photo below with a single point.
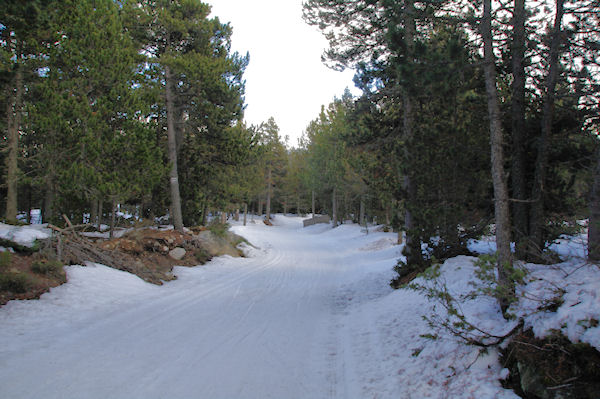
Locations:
(177, 253)
(531, 382)
(216, 245)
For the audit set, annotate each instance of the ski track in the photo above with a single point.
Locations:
(267, 326)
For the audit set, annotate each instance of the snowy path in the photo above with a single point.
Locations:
(259, 327)
(308, 315)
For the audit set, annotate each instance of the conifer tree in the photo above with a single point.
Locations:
(201, 83)
(272, 160)
(21, 29)
(89, 115)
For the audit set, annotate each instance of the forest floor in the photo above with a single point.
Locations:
(309, 313)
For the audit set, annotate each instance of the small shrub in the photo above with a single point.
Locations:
(5, 259)
(17, 283)
(218, 229)
(201, 256)
(47, 267)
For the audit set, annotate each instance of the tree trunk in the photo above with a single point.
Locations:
(172, 143)
(519, 180)
(205, 214)
(245, 212)
(100, 210)
(334, 207)
(412, 249)
(537, 217)
(48, 211)
(14, 126)
(268, 208)
(594, 222)
(93, 212)
(113, 211)
(501, 211)
(361, 216)
(237, 215)
(28, 216)
(260, 207)
(313, 203)
(387, 215)
(298, 205)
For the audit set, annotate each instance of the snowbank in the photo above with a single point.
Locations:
(24, 235)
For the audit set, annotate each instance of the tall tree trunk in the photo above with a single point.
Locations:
(594, 222)
(298, 205)
(100, 210)
(93, 211)
(48, 211)
(14, 125)
(361, 216)
(519, 180)
(28, 216)
(334, 207)
(412, 249)
(313, 203)
(387, 215)
(245, 212)
(268, 209)
(113, 212)
(501, 211)
(172, 143)
(537, 217)
(205, 214)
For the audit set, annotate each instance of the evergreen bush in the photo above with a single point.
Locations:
(47, 267)
(17, 283)
(5, 259)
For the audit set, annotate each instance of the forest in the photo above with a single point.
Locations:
(472, 113)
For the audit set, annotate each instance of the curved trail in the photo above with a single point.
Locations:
(267, 326)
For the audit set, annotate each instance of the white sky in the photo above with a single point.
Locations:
(285, 78)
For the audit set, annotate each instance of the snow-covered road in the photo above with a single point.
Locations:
(307, 315)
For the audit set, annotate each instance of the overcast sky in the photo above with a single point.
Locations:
(286, 78)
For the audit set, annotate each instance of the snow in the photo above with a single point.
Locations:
(308, 314)
(24, 235)
(578, 284)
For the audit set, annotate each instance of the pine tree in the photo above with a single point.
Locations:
(21, 29)
(272, 160)
(89, 116)
(199, 80)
